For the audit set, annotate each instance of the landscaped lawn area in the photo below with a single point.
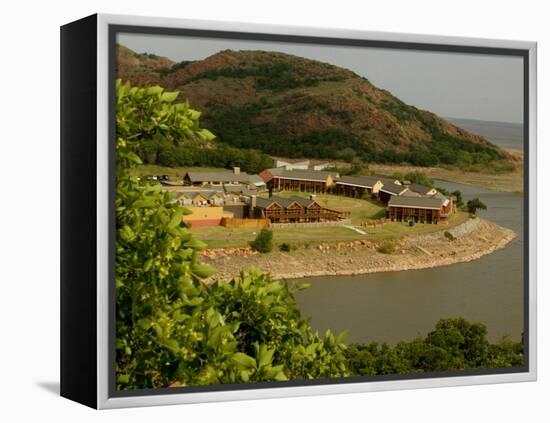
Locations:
(221, 237)
(399, 229)
(361, 210)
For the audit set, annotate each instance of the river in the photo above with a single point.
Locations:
(394, 306)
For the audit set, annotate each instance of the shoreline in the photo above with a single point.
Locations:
(474, 239)
(499, 182)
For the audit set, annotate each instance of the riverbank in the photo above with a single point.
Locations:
(502, 182)
(473, 239)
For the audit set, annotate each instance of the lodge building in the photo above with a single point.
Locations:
(293, 210)
(315, 181)
(390, 190)
(237, 192)
(419, 209)
(220, 178)
(358, 186)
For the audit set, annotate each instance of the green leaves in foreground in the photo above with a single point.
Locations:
(171, 328)
(245, 330)
(259, 368)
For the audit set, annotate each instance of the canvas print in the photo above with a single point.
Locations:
(297, 212)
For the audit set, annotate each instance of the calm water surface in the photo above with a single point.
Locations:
(394, 306)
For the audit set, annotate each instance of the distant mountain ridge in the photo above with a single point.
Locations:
(295, 107)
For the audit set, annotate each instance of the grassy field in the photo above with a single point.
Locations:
(220, 237)
(361, 210)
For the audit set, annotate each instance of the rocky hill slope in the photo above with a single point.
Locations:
(295, 107)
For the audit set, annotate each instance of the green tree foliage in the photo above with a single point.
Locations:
(272, 76)
(171, 328)
(263, 242)
(418, 177)
(214, 154)
(459, 200)
(455, 344)
(474, 205)
(244, 127)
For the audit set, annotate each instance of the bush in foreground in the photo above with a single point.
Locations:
(172, 329)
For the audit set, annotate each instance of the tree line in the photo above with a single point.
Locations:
(455, 344)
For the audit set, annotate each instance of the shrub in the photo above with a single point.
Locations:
(285, 246)
(449, 236)
(411, 222)
(387, 247)
(263, 242)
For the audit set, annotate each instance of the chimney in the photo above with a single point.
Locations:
(312, 197)
(252, 207)
(236, 170)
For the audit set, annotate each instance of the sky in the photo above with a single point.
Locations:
(468, 86)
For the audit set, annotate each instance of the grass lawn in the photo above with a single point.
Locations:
(399, 229)
(220, 237)
(361, 210)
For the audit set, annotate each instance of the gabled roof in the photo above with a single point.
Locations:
(304, 202)
(255, 180)
(264, 203)
(421, 189)
(194, 193)
(393, 189)
(409, 193)
(388, 181)
(225, 176)
(305, 175)
(416, 202)
(239, 189)
(283, 202)
(204, 194)
(180, 194)
(212, 176)
(358, 181)
(443, 198)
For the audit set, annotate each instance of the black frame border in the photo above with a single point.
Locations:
(114, 29)
(78, 211)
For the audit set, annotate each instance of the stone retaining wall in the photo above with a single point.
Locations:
(458, 231)
(311, 224)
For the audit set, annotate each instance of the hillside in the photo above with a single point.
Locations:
(295, 107)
